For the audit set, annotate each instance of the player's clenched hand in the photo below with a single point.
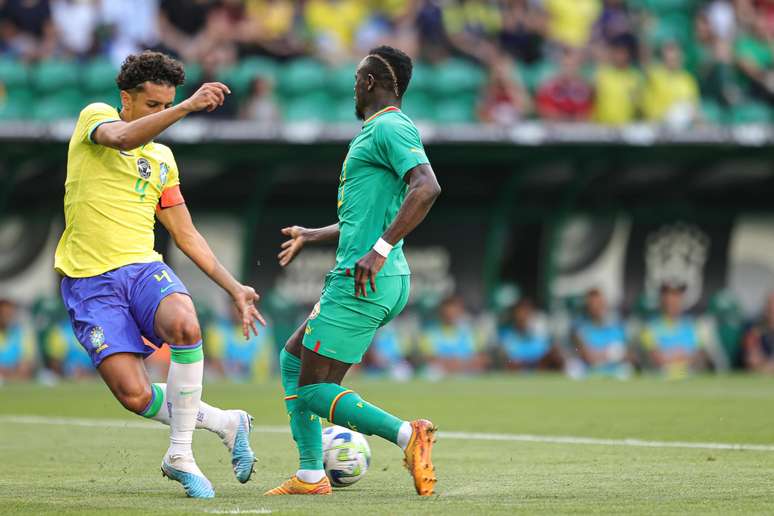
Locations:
(244, 299)
(209, 96)
(291, 248)
(366, 270)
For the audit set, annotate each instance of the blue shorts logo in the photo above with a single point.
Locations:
(96, 337)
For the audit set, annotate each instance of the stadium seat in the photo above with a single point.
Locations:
(64, 104)
(316, 107)
(99, 75)
(751, 113)
(457, 76)
(16, 104)
(727, 312)
(193, 73)
(534, 75)
(456, 110)
(53, 75)
(421, 78)
(240, 77)
(713, 112)
(341, 81)
(300, 77)
(13, 73)
(343, 111)
(418, 106)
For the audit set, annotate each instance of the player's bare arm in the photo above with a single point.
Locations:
(130, 135)
(299, 236)
(423, 191)
(178, 222)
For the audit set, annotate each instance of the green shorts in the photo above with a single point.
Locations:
(342, 326)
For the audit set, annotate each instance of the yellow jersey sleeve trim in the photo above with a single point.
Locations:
(90, 135)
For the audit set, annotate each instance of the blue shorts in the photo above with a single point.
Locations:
(110, 313)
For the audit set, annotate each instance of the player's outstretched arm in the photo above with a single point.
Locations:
(178, 222)
(423, 191)
(300, 236)
(130, 135)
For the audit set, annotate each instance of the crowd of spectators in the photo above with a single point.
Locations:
(675, 62)
(590, 341)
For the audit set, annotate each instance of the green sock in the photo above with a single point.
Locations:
(346, 408)
(304, 425)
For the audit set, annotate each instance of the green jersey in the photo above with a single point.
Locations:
(372, 189)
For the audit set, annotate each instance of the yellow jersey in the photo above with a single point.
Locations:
(110, 199)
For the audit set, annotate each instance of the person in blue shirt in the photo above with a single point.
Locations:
(600, 338)
(66, 356)
(450, 344)
(17, 345)
(758, 341)
(671, 339)
(526, 342)
(231, 356)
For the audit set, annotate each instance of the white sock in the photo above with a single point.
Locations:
(310, 476)
(184, 394)
(210, 418)
(404, 435)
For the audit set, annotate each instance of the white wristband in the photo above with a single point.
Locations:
(382, 247)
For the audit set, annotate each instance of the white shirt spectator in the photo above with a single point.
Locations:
(135, 26)
(75, 21)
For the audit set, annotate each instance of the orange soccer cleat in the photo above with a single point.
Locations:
(294, 486)
(418, 458)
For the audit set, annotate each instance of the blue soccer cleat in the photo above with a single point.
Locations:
(195, 485)
(237, 440)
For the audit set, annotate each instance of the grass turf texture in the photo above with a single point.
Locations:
(91, 470)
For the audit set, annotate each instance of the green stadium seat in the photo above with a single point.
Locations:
(419, 106)
(751, 113)
(240, 77)
(341, 81)
(13, 73)
(457, 76)
(727, 311)
(456, 110)
(99, 75)
(421, 78)
(713, 112)
(344, 111)
(108, 96)
(64, 104)
(193, 73)
(16, 105)
(315, 107)
(53, 75)
(300, 77)
(534, 75)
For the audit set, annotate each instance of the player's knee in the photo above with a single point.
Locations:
(186, 332)
(135, 398)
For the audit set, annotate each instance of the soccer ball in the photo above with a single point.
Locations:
(346, 455)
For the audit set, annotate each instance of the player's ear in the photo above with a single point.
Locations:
(370, 82)
(126, 100)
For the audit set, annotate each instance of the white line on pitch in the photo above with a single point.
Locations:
(471, 436)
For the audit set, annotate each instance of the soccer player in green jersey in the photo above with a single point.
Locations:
(386, 189)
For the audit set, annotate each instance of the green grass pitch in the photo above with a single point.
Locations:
(62, 468)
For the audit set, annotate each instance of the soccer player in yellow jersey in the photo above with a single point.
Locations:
(118, 290)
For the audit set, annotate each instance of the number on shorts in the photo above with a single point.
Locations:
(164, 274)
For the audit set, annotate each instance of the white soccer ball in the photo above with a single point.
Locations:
(346, 455)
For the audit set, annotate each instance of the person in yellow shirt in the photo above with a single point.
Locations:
(617, 87)
(333, 24)
(671, 93)
(117, 289)
(570, 21)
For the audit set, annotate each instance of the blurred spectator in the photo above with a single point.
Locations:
(123, 38)
(26, 28)
(387, 354)
(758, 341)
(332, 24)
(616, 23)
(229, 355)
(65, 355)
(471, 26)
(570, 21)
(671, 94)
(566, 96)
(17, 345)
(216, 59)
(671, 339)
(523, 30)
(75, 22)
(715, 64)
(261, 107)
(754, 51)
(617, 87)
(433, 42)
(600, 338)
(181, 26)
(449, 345)
(525, 343)
(504, 101)
(268, 28)
(390, 22)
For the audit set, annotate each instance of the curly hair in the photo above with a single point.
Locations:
(397, 75)
(150, 66)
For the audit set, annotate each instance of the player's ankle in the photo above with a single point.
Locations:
(404, 435)
(310, 476)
